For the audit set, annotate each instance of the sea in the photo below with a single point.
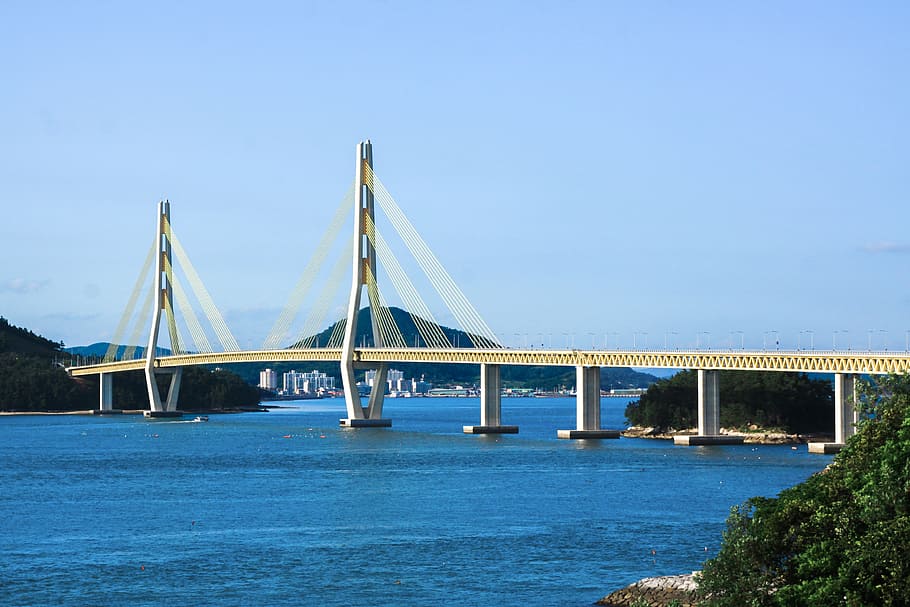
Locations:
(288, 508)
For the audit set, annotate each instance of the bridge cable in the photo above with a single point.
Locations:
(433, 336)
(202, 295)
(283, 324)
(320, 310)
(479, 331)
(116, 342)
(197, 334)
(389, 333)
(176, 338)
(443, 283)
(337, 337)
(136, 335)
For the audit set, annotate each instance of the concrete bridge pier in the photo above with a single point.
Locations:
(490, 404)
(371, 415)
(168, 408)
(106, 395)
(106, 389)
(587, 407)
(845, 414)
(708, 414)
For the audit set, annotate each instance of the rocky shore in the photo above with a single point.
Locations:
(754, 435)
(655, 592)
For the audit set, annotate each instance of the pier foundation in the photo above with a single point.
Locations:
(587, 407)
(845, 414)
(490, 404)
(708, 415)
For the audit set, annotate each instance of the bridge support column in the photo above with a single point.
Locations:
(708, 414)
(845, 414)
(106, 390)
(106, 395)
(164, 303)
(587, 407)
(167, 408)
(490, 404)
(364, 258)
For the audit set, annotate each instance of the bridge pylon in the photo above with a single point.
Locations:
(364, 265)
(163, 295)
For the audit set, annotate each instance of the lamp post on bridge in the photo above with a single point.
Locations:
(811, 339)
(667, 335)
(591, 333)
(707, 335)
(764, 342)
(742, 345)
(836, 331)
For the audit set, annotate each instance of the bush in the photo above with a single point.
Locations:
(842, 537)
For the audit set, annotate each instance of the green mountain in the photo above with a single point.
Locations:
(407, 326)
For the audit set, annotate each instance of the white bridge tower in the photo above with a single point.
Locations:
(364, 256)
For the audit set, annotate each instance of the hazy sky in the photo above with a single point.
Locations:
(631, 170)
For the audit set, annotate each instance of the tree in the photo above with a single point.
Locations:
(792, 402)
(842, 537)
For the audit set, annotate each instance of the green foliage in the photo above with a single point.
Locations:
(22, 341)
(35, 383)
(202, 389)
(840, 538)
(791, 402)
(32, 379)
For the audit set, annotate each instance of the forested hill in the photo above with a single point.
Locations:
(32, 378)
(23, 341)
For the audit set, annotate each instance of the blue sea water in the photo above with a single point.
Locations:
(286, 508)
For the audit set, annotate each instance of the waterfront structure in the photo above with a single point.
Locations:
(268, 379)
(389, 347)
(307, 383)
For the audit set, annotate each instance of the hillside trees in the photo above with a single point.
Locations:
(789, 401)
(842, 537)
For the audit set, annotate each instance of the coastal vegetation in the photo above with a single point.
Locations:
(842, 537)
(789, 402)
(33, 378)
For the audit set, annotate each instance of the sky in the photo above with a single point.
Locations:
(590, 173)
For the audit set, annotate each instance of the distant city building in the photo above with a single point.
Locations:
(396, 382)
(268, 379)
(307, 383)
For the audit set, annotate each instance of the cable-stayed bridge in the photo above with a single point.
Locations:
(321, 284)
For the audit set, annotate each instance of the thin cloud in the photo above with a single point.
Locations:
(23, 286)
(886, 247)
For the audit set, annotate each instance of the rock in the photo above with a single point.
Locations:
(655, 592)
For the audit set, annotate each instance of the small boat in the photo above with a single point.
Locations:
(201, 418)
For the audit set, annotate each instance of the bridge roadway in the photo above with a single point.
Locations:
(810, 361)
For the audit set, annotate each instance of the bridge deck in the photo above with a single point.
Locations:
(798, 361)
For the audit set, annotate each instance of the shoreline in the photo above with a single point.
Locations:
(92, 412)
(656, 591)
(759, 436)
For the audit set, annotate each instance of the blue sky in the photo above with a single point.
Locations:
(611, 171)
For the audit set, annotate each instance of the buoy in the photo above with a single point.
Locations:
(142, 568)
(322, 436)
